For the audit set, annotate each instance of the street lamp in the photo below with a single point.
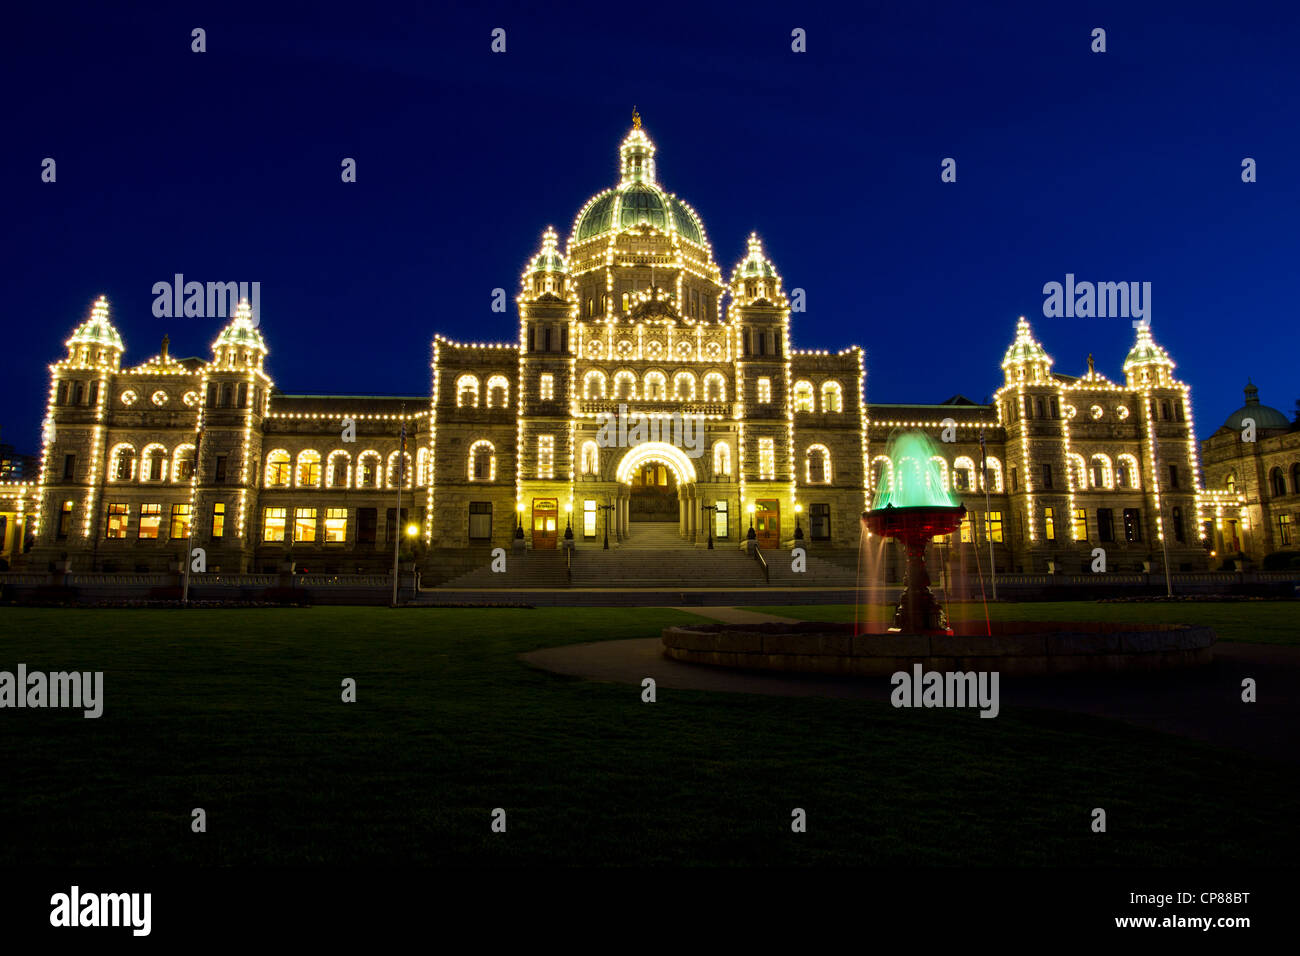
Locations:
(568, 522)
(709, 519)
(519, 522)
(607, 508)
(798, 531)
(751, 536)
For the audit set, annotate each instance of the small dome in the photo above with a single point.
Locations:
(1146, 352)
(548, 259)
(1025, 349)
(97, 330)
(241, 332)
(1262, 415)
(755, 264)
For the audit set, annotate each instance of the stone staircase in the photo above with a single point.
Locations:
(524, 569)
(629, 568)
(652, 536)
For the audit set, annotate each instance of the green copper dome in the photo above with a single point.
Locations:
(1025, 349)
(1146, 352)
(97, 330)
(1262, 415)
(241, 332)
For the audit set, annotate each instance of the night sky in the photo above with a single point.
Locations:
(225, 166)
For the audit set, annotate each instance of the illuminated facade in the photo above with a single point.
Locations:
(643, 385)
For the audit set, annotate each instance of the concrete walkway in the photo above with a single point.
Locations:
(1202, 703)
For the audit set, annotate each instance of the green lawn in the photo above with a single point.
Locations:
(1263, 622)
(239, 712)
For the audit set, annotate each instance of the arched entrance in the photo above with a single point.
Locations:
(660, 483)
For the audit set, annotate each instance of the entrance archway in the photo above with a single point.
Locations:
(660, 485)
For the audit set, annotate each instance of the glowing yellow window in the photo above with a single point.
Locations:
(180, 526)
(119, 516)
(1080, 524)
(1049, 523)
(273, 524)
(336, 524)
(150, 520)
(764, 391)
(304, 524)
(548, 387)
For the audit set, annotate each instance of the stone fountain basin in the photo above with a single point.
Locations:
(1020, 647)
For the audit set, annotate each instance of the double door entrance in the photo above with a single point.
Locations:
(546, 523)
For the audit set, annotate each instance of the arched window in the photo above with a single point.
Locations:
(593, 384)
(121, 463)
(227, 396)
(1276, 483)
(963, 474)
(391, 475)
(1231, 483)
(1102, 476)
(590, 458)
(817, 465)
(1295, 479)
(882, 473)
(684, 387)
(467, 391)
(368, 469)
(308, 469)
(498, 391)
(722, 460)
(1078, 470)
(624, 385)
(153, 463)
(832, 396)
(656, 386)
(803, 396)
(482, 461)
(182, 463)
(277, 469)
(1127, 472)
(422, 475)
(715, 387)
(994, 475)
(338, 468)
(942, 467)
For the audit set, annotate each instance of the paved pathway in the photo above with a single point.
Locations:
(735, 615)
(1203, 703)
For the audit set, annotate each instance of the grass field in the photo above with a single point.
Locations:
(238, 711)
(1261, 622)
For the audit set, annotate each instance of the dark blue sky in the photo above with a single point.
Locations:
(225, 166)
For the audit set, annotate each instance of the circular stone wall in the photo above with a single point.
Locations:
(1017, 648)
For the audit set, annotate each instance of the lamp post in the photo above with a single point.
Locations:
(710, 509)
(751, 536)
(607, 508)
(397, 505)
(412, 530)
(568, 525)
(518, 543)
(798, 530)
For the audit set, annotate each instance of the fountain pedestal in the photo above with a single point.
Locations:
(918, 612)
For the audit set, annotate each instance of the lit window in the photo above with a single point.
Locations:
(764, 391)
(1049, 522)
(545, 456)
(150, 520)
(832, 397)
(273, 524)
(803, 396)
(304, 524)
(180, 526)
(277, 469)
(1284, 530)
(482, 461)
(722, 459)
(966, 534)
(119, 516)
(1080, 524)
(818, 465)
(308, 469)
(336, 525)
(498, 391)
(548, 387)
(590, 458)
(684, 387)
(589, 519)
(467, 392)
(994, 526)
(218, 520)
(766, 459)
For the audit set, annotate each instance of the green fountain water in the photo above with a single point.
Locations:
(917, 478)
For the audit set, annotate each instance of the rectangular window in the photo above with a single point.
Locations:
(816, 469)
(1283, 530)
(218, 521)
(1173, 476)
(336, 525)
(589, 519)
(480, 520)
(766, 459)
(219, 474)
(185, 467)
(1132, 524)
(545, 456)
(967, 535)
(1177, 519)
(765, 391)
(304, 524)
(150, 521)
(119, 516)
(273, 523)
(721, 522)
(1047, 476)
(180, 526)
(390, 528)
(546, 339)
(1080, 524)
(1049, 523)
(993, 526)
(1015, 480)
(1106, 524)
(367, 525)
(69, 467)
(278, 474)
(819, 520)
(548, 387)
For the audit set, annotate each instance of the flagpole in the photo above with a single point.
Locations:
(189, 537)
(397, 511)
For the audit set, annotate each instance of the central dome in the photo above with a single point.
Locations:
(637, 200)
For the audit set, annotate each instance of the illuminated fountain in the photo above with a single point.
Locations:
(913, 506)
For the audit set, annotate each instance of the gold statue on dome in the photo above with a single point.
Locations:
(636, 119)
